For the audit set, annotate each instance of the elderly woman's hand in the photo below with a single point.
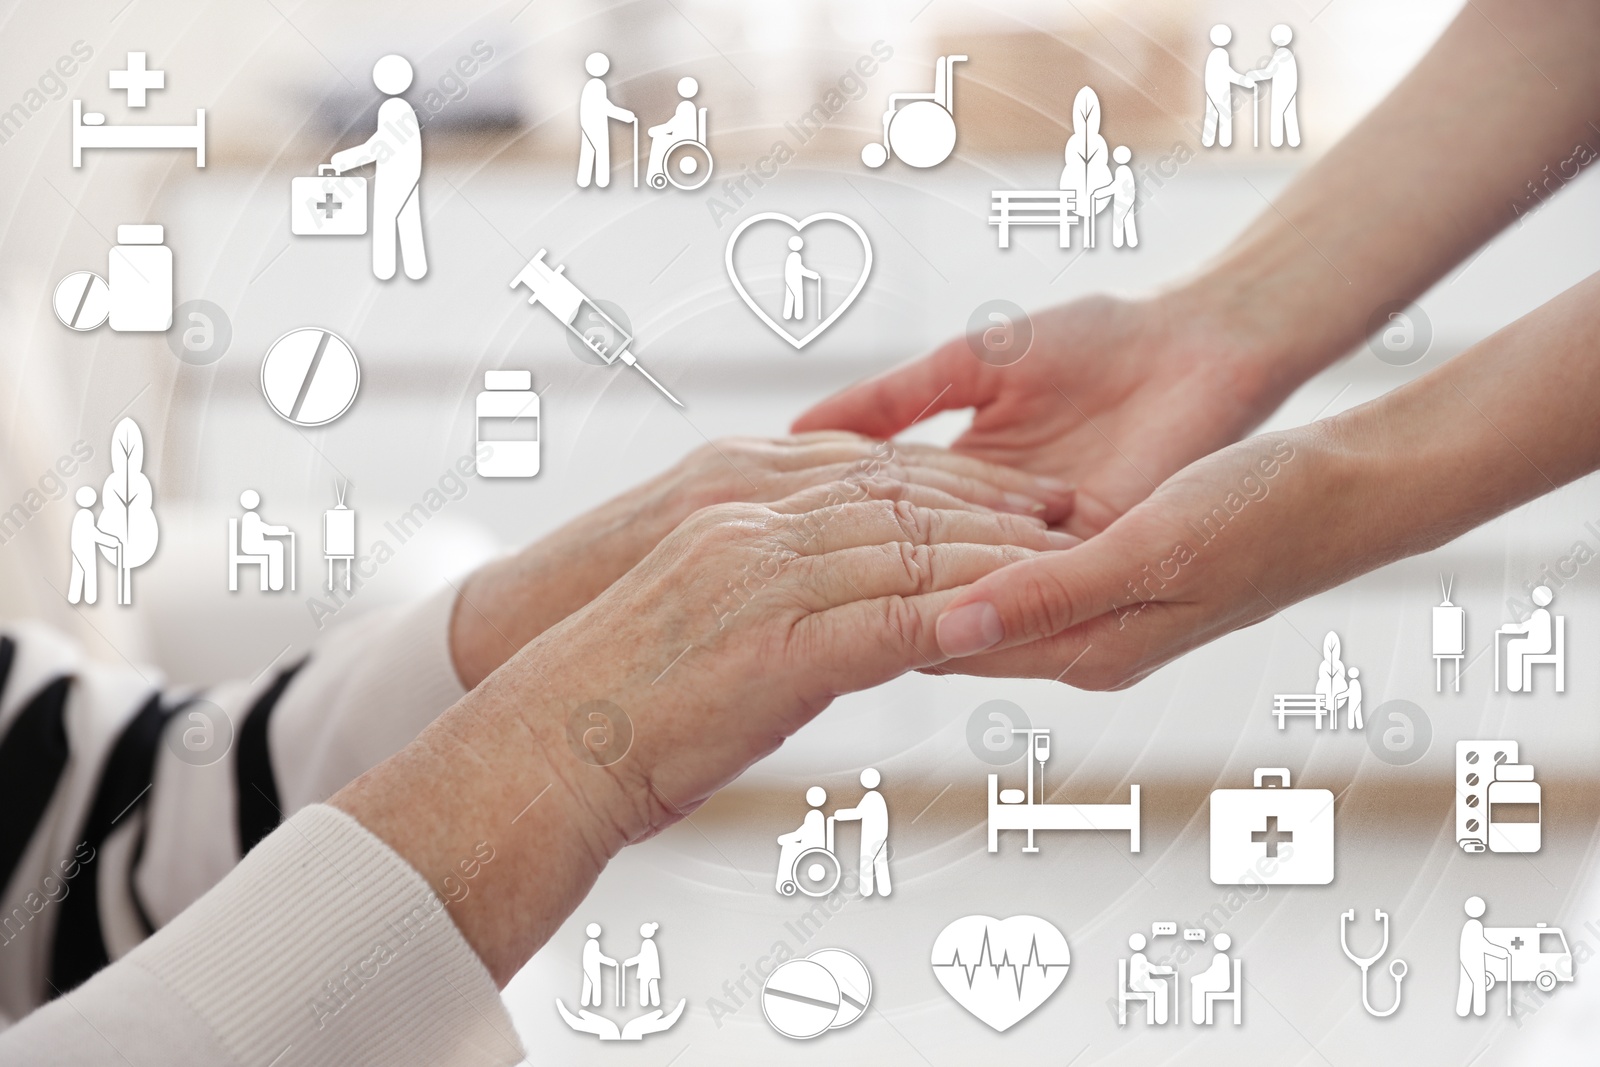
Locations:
(507, 604)
(743, 624)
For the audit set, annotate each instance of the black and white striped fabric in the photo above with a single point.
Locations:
(112, 819)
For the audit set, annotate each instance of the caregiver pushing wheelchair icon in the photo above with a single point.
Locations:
(807, 862)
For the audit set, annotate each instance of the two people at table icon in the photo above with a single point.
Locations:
(1281, 72)
(1339, 687)
(1149, 982)
(807, 862)
(1533, 641)
(795, 276)
(396, 148)
(646, 965)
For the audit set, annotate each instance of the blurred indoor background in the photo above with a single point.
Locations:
(285, 84)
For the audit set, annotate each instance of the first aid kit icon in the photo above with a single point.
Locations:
(1271, 835)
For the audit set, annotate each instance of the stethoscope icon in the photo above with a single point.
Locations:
(1396, 967)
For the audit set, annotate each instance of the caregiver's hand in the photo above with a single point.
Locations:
(743, 624)
(508, 603)
(1113, 397)
(1249, 530)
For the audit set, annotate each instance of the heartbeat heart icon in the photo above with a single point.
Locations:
(1001, 969)
(795, 274)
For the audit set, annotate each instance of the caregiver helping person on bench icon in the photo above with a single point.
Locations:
(396, 148)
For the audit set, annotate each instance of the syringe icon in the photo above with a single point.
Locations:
(550, 287)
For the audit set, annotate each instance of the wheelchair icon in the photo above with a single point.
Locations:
(814, 872)
(678, 152)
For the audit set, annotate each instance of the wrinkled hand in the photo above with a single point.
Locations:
(1114, 397)
(737, 629)
(508, 603)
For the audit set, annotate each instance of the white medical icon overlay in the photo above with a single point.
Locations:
(827, 990)
(91, 130)
(919, 129)
(1499, 807)
(1397, 967)
(1139, 980)
(1539, 640)
(339, 536)
(253, 542)
(126, 532)
(1001, 970)
(1271, 835)
(1087, 187)
(1490, 955)
(796, 274)
(679, 153)
(396, 149)
(329, 205)
(646, 964)
(1338, 689)
(1281, 73)
(1016, 809)
(551, 287)
(1449, 636)
(506, 421)
(138, 297)
(807, 862)
(310, 376)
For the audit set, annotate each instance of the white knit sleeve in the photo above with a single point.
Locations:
(322, 947)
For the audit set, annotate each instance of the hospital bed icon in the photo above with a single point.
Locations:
(1014, 809)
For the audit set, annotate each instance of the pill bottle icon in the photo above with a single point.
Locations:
(141, 279)
(508, 425)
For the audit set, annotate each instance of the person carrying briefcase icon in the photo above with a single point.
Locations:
(335, 204)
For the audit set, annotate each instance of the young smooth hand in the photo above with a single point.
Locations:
(1113, 397)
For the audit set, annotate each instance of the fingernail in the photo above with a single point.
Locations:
(1026, 505)
(1058, 539)
(969, 629)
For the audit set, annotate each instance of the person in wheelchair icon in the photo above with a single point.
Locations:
(806, 862)
(678, 152)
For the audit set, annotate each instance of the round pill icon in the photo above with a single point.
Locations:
(800, 999)
(310, 376)
(855, 984)
(82, 300)
(828, 989)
